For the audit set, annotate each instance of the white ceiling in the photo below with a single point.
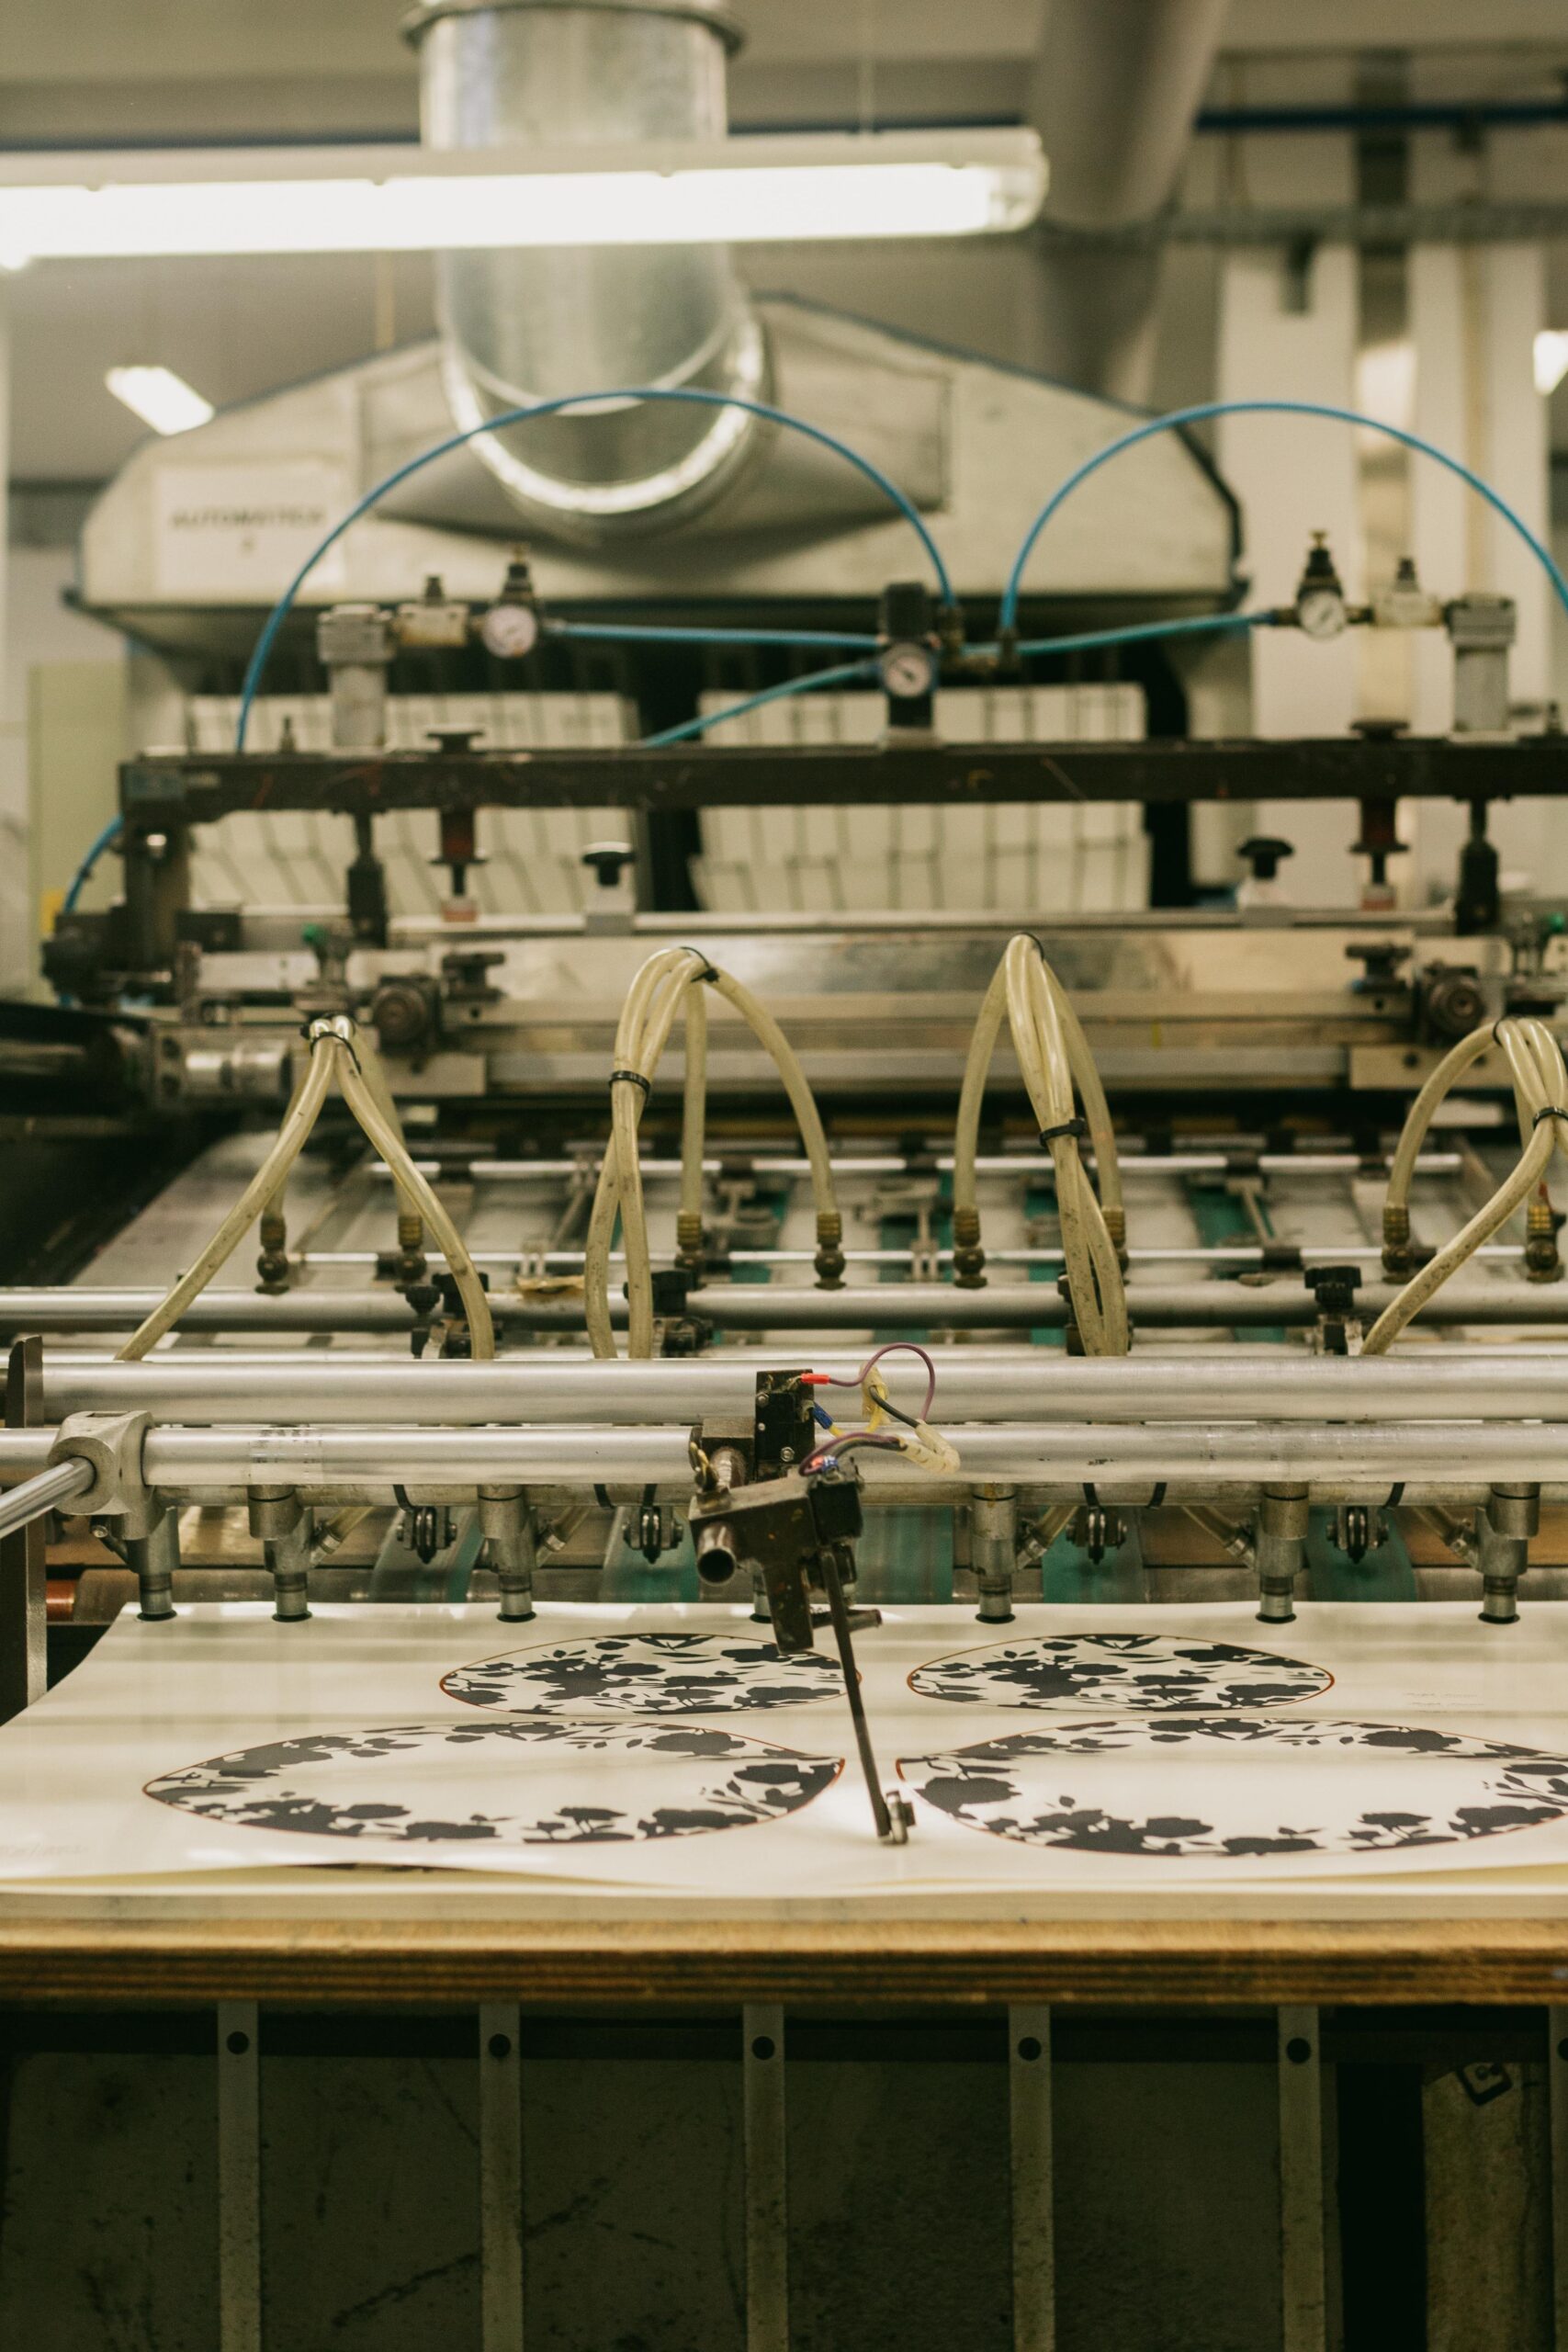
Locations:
(102, 72)
(99, 40)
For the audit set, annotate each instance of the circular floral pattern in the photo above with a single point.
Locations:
(509, 1783)
(1125, 1671)
(643, 1675)
(1240, 1786)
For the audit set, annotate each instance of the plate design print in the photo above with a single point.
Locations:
(1240, 1786)
(1125, 1671)
(642, 1675)
(506, 1782)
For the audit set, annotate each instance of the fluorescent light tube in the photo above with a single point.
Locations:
(1551, 358)
(739, 191)
(159, 398)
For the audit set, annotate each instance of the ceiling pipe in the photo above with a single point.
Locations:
(1116, 92)
(529, 325)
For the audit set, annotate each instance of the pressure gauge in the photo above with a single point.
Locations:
(510, 631)
(1320, 613)
(908, 672)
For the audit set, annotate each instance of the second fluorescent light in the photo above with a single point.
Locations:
(1551, 358)
(159, 398)
(741, 191)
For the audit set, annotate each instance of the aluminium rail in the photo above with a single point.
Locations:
(1055, 1457)
(765, 1307)
(1024, 1385)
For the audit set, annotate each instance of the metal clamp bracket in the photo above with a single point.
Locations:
(111, 1443)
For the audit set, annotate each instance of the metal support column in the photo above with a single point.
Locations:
(500, 2176)
(1033, 2203)
(767, 2180)
(1557, 2079)
(24, 1658)
(1303, 2291)
(239, 2179)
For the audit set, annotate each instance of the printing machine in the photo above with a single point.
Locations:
(1359, 2091)
(1261, 1061)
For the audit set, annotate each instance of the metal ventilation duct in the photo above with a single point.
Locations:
(527, 325)
(1116, 88)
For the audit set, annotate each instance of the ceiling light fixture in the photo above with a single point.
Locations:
(159, 398)
(1551, 358)
(411, 199)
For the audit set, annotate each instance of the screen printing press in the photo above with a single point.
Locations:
(639, 1489)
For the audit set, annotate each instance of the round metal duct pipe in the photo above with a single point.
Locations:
(531, 324)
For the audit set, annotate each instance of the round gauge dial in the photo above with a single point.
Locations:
(1320, 613)
(908, 672)
(509, 631)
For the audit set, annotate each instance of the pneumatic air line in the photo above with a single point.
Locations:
(1540, 1097)
(1055, 1058)
(338, 1052)
(669, 985)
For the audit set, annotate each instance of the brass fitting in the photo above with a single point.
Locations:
(1116, 1227)
(1543, 1262)
(409, 1265)
(689, 1241)
(831, 1261)
(272, 1265)
(968, 1257)
(1397, 1263)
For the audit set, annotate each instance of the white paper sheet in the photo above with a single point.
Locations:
(665, 1750)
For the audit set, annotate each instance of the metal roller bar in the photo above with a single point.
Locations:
(765, 1307)
(1011, 1163)
(1030, 1385)
(1337, 1455)
(960, 1352)
(44, 1491)
(73, 1309)
(1240, 1253)
(159, 789)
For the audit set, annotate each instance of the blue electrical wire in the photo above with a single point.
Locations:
(534, 410)
(1204, 625)
(1269, 408)
(83, 872)
(1207, 624)
(634, 633)
(839, 676)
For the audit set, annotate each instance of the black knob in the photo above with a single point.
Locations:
(1334, 1288)
(906, 609)
(670, 1285)
(1381, 959)
(464, 971)
(403, 1014)
(1319, 569)
(608, 861)
(1453, 1002)
(1265, 853)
